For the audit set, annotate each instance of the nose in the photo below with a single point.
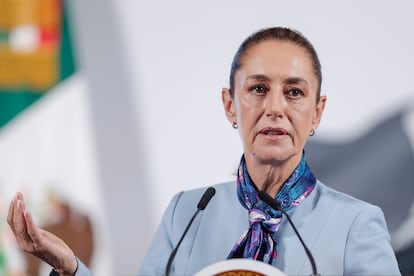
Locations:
(274, 104)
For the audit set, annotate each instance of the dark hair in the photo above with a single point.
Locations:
(282, 34)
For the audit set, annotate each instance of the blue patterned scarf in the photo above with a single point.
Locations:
(259, 241)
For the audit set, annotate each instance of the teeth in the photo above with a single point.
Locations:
(273, 132)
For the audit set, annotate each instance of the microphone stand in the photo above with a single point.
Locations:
(202, 204)
(275, 205)
(172, 255)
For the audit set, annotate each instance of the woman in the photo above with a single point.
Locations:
(274, 101)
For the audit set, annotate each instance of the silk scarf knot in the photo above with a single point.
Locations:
(259, 242)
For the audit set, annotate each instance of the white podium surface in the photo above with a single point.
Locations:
(240, 267)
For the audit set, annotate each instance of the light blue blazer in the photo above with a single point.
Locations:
(346, 236)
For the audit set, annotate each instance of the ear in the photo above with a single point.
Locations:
(317, 115)
(229, 105)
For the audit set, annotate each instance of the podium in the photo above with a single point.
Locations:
(240, 267)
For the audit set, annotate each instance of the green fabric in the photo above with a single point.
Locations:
(13, 101)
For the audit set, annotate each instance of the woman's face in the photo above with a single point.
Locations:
(274, 102)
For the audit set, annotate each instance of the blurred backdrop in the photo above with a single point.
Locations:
(109, 108)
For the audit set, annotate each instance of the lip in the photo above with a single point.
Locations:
(273, 132)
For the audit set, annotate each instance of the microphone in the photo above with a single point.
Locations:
(275, 205)
(202, 204)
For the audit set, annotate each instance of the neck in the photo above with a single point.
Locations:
(270, 177)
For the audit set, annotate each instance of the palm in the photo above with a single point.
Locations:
(38, 242)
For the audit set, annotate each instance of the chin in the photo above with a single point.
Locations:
(274, 157)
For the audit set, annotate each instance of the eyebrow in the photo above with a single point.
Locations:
(294, 80)
(290, 80)
(259, 77)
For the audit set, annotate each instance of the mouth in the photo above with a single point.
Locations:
(269, 131)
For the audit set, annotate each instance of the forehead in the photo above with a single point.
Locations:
(277, 57)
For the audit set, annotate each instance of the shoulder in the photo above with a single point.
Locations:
(350, 232)
(184, 203)
(221, 188)
(193, 195)
(367, 249)
(343, 202)
(341, 213)
(362, 212)
(335, 210)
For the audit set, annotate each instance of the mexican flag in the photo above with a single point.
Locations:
(35, 52)
(45, 141)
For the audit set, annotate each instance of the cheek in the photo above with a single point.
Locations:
(254, 106)
(247, 118)
(247, 111)
(302, 118)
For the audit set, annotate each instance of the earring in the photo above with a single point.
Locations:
(312, 132)
(235, 126)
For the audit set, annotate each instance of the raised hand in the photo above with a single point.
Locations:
(38, 242)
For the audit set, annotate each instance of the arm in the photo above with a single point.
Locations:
(368, 250)
(40, 243)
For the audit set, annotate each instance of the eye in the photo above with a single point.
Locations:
(294, 93)
(258, 89)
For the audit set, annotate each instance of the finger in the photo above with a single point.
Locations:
(10, 214)
(12, 208)
(31, 227)
(19, 195)
(19, 222)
